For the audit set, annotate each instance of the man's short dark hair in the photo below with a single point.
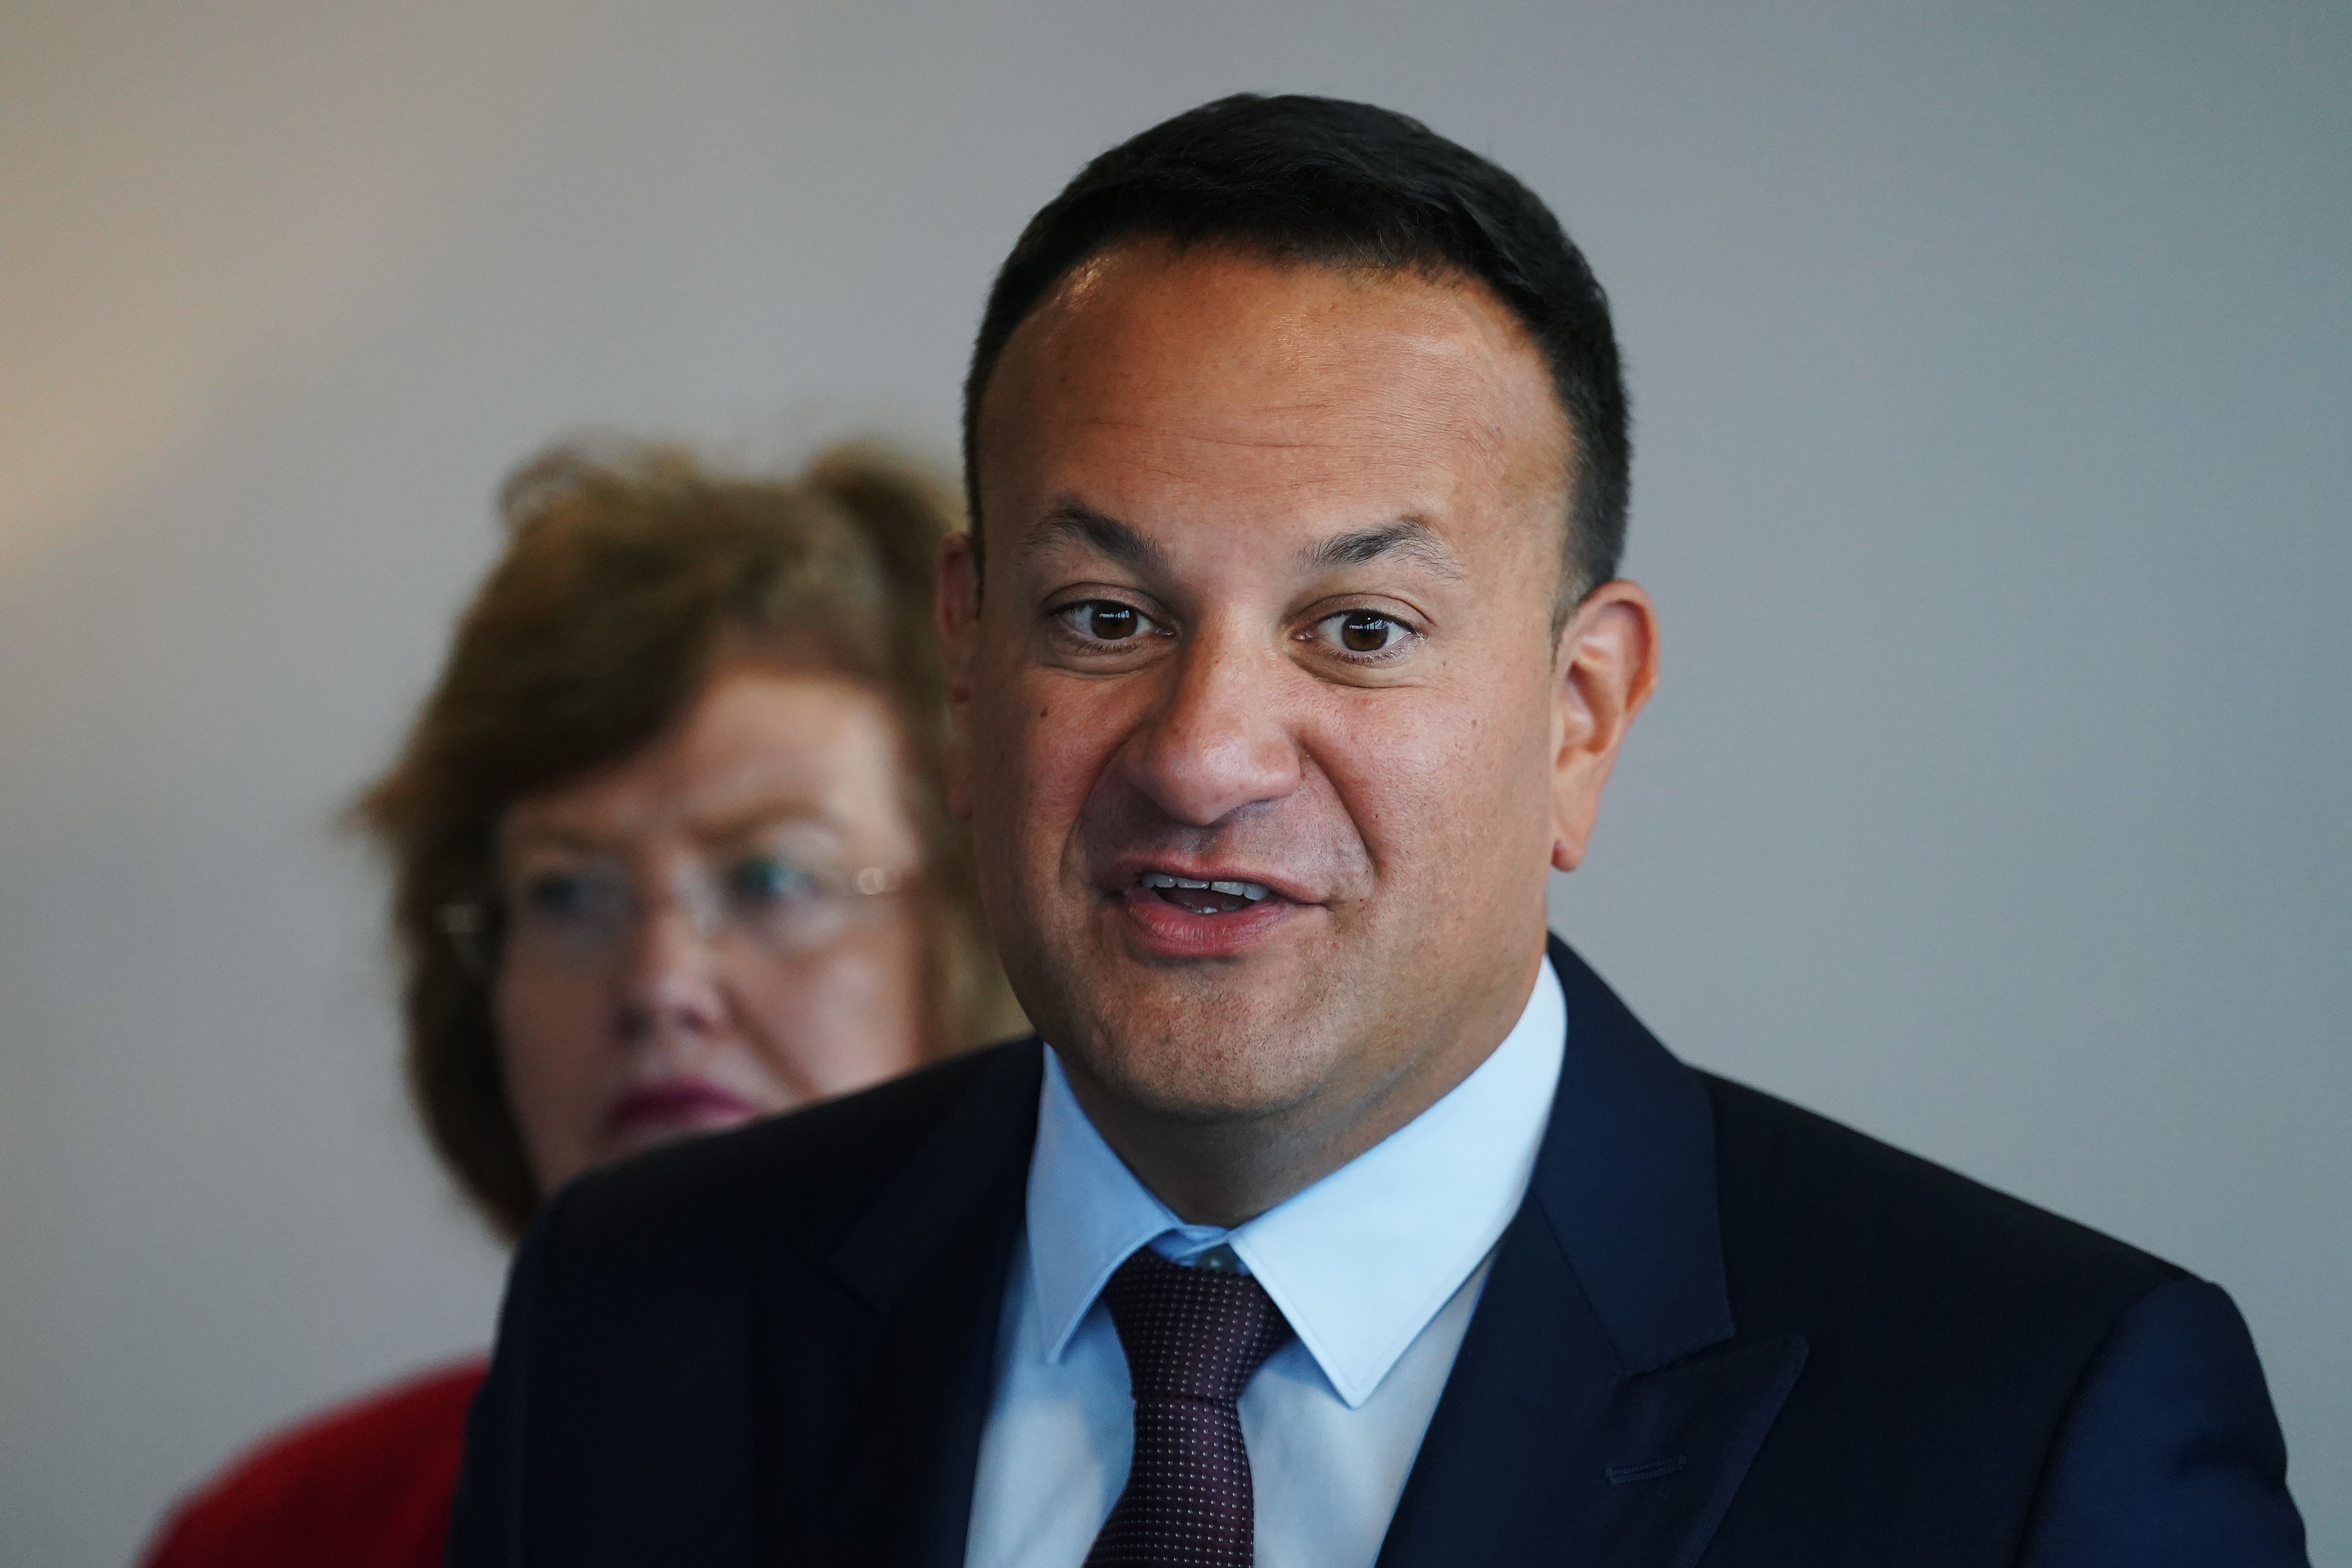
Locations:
(1346, 184)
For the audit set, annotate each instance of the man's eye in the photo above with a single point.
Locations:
(1366, 631)
(1103, 620)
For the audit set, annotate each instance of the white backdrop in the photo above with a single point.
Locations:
(1993, 377)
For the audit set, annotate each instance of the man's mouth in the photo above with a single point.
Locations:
(1204, 898)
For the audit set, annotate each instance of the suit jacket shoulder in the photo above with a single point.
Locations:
(741, 1338)
(1821, 1218)
(1956, 1336)
(797, 1183)
(1832, 1352)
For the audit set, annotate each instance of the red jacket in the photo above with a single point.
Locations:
(365, 1485)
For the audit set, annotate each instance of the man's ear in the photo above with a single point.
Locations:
(955, 609)
(1603, 669)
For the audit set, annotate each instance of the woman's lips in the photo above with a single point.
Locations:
(650, 1113)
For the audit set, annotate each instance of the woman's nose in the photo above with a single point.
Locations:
(670, 974)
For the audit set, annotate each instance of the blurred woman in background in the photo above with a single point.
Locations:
(669, 854)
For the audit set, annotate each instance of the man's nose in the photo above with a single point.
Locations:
(1221, 739)
(670, 975)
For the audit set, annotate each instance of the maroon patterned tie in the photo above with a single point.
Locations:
(1193, 1337)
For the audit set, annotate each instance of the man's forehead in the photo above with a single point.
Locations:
(1362, 415)
(1070, 524)
(1227, 346)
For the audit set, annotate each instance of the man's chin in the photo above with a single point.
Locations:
(1176, 1088)
(1191, 1054)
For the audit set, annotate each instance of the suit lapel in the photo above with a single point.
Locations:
(1602, 1408)
(877, 1470)
(1676, 1444)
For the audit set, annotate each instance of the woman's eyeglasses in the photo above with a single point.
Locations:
(578, 914)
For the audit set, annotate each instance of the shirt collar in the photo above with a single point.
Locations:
(1361, 1261)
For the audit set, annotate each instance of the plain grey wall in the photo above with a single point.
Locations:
(1993, 375)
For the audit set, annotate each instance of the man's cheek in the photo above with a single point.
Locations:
(1069, 731)
(1009, 748)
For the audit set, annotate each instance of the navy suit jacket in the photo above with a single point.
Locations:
(1720, 1330)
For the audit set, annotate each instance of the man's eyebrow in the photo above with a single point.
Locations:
(1407, 536)
(1070, 523)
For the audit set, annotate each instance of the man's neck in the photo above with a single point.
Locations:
(1225, 1171)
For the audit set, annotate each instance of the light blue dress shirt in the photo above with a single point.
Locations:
(1377, 1267)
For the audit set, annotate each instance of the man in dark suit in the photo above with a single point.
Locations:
(1338, 1217)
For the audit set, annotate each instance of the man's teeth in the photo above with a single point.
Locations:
(1250, 890)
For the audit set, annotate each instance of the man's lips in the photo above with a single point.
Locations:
(1205, 895)
(676, 1105)
(1204, 886)
(1203, 912)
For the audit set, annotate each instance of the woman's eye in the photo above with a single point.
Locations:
(1366, 631)
(563, 895)
(764, 879)
(1103, 620)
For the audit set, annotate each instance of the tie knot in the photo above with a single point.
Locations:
(1190, 1334)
